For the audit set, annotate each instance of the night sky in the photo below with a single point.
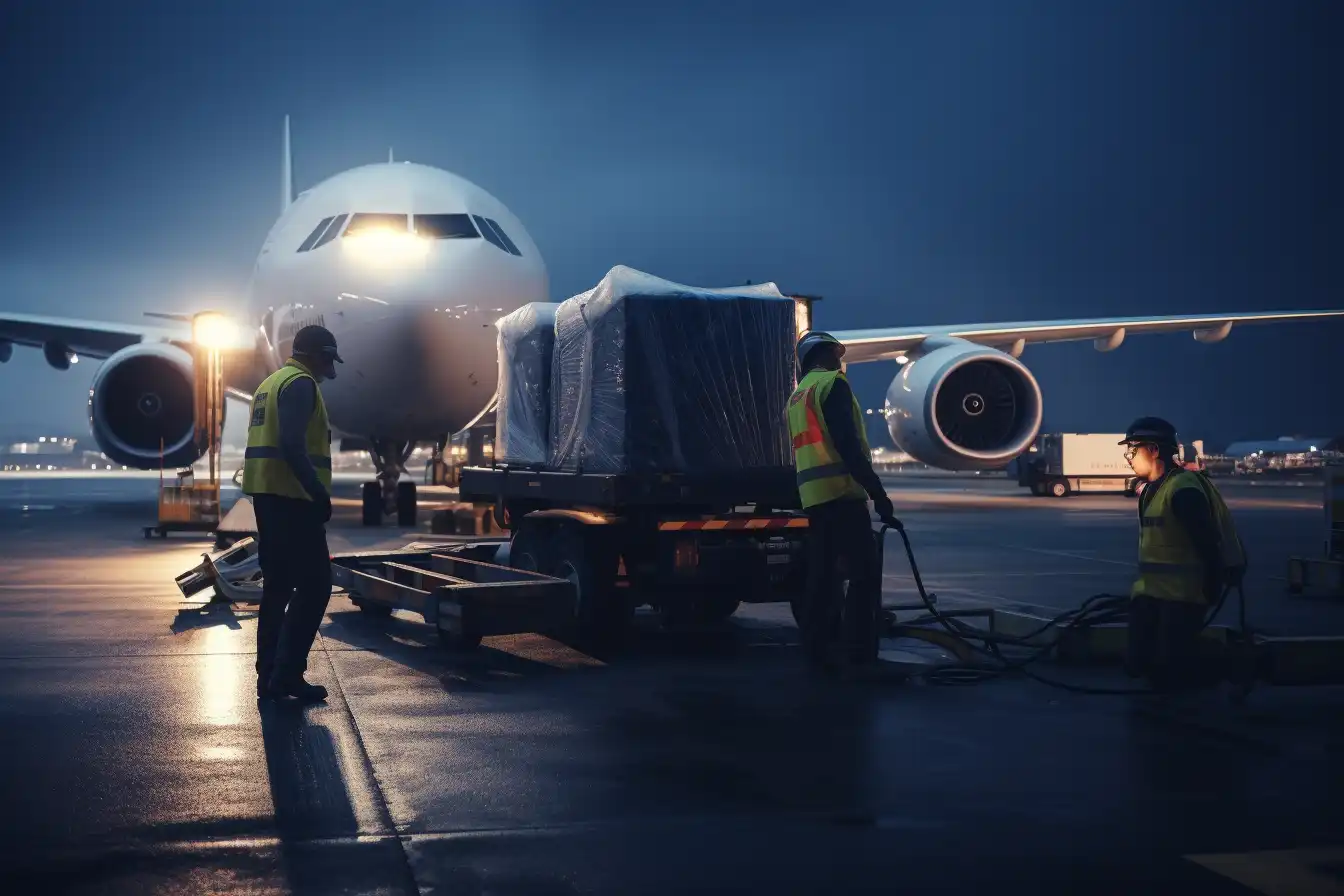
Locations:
(915, 163)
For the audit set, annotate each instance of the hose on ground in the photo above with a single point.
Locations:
(1100, 609)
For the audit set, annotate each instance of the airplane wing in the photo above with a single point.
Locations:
(243, 367)
(88, 339)
(1106, 332)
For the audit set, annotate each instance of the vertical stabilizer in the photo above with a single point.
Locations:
(286, 173)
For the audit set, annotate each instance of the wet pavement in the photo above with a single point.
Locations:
(135, 757)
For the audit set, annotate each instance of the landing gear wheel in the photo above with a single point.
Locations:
(406, 504)
(601, 613)
(1059, 488)
(371, 499)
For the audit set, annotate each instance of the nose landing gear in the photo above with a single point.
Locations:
(389, 495)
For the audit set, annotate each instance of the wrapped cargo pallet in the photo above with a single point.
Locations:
(651, 376)
(522, 419)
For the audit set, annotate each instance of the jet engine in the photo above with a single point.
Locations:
(962, 406)
(143, 398)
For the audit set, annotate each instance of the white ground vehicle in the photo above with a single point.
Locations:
(1066, 463)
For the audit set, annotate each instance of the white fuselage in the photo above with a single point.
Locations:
(411, 296)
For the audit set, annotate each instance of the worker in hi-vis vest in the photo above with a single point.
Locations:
(835, 482)
(1189, 552)
(287, 474)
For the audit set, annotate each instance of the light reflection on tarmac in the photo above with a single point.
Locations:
(135, 758)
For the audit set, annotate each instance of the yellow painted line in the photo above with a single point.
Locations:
(1282, 872)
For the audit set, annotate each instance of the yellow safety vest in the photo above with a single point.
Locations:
(1169, 566)
(264, 469)
(822, 475)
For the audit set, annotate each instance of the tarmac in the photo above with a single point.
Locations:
(136, 759)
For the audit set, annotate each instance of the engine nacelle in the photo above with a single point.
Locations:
(143, 397)
(961, 406)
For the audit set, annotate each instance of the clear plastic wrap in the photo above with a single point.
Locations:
(651, 376)
(523, 417)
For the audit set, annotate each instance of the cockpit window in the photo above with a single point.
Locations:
(445, 227)
(496, 235)
(364, 221)
(489, 233)
(333, 231)
(312, 237)
(508, 243)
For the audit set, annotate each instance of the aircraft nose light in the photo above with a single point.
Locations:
(149, 404)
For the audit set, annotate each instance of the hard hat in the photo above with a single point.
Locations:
(1151, 429)
(316, 342)
(816, 339)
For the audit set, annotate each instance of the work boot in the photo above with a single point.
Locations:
(298, 689)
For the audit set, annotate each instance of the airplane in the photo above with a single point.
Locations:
(410, 266)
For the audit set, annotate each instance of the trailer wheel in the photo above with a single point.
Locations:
(464, 641)
(1059, 488)
(600, 616)
(799, 610)
(705, 609)
(377, 611)
(531, 548)
(1038, 489)
(720, 607)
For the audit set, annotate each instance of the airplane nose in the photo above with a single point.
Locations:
(457, 347)
(416, 371)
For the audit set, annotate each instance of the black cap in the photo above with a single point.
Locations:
(316, 342)
(1154, 430)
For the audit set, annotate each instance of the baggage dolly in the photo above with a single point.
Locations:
(454, 588)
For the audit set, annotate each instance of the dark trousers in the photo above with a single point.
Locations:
(296, 583)
(839, 618)
(1163, 643)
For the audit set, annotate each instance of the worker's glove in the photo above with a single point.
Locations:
(885, 510)
(323, 503)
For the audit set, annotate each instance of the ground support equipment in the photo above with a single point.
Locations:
(694, 547)
(1324, 576)
(456, 589)
(234, 573)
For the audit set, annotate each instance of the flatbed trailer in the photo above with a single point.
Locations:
(694, 547)
(457, 588)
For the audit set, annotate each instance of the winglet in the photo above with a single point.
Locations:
(389, 155)
(286, 173)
